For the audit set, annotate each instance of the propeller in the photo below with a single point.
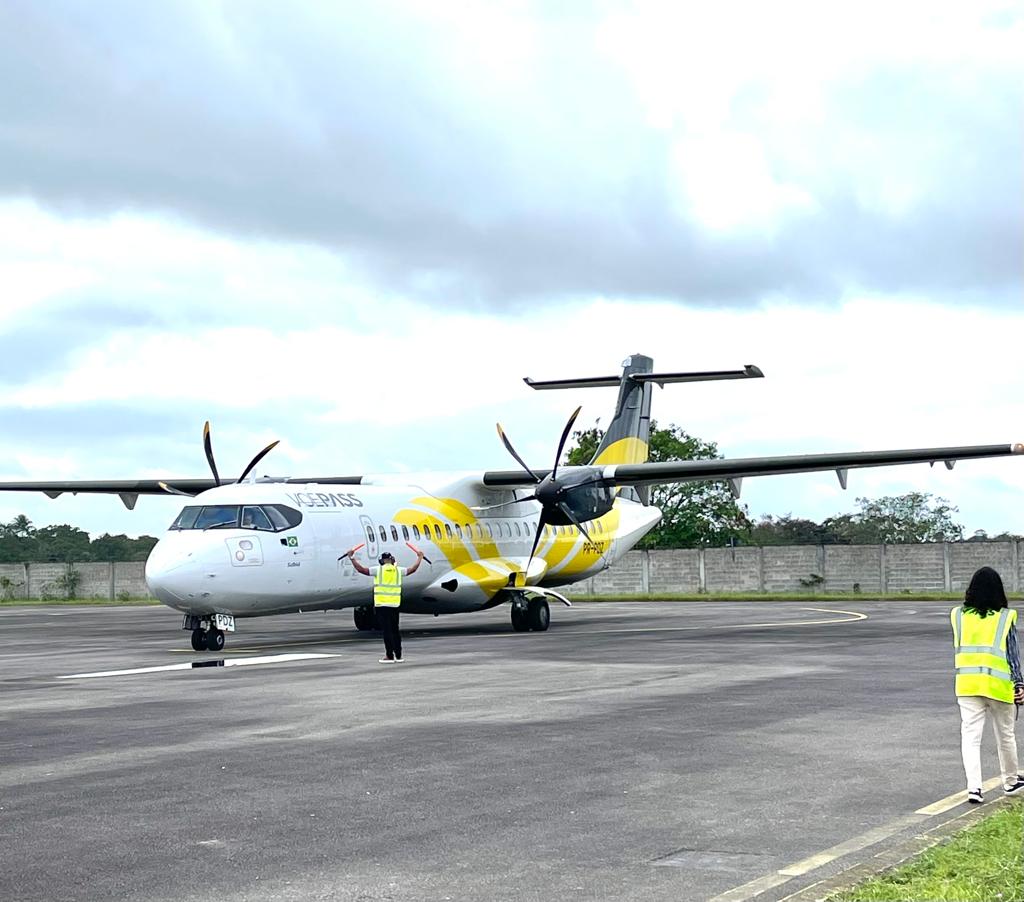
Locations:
(550, 492)
(208, 449)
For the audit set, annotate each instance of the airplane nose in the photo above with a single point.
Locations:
(164, 568)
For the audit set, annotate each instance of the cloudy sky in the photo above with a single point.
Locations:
(356, 227)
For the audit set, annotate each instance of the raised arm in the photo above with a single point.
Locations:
(416, 566)
(351, 553)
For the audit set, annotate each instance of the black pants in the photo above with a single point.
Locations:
(388, 620)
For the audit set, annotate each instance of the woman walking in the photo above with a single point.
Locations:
(988, 678)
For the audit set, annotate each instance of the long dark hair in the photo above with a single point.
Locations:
(985, 594)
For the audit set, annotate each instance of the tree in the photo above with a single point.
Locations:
(121, 548)
(63, 543)
(790, 530)
(694, 513)
(18, 541)
(914, 517)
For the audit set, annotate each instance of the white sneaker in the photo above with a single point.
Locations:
(400, 660)
(386, 661)
(1016, 788)
(974, 796)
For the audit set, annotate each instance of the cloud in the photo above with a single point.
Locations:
(523, 156)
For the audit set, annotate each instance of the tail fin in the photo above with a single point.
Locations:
(627, 439)
(628, 434)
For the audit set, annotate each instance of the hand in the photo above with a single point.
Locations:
(1018, 695)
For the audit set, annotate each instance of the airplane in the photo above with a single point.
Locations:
(260, 546)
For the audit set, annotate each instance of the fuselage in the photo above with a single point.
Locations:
(262, 548)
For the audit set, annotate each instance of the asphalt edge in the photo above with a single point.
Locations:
(896, 855)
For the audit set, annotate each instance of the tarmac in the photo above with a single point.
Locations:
(637, 750)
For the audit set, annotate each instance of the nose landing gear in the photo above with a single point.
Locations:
(208, 632)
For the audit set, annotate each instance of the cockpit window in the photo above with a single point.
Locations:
(187, 518)
(268, 517)
(283, 516)
(255, 518)
(219, 516)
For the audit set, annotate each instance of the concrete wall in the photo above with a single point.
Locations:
(124, 579)
(871, 569)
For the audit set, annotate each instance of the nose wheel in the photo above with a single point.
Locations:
(207, 631)
(207, 640)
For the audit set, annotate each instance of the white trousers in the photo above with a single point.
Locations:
(974, 711)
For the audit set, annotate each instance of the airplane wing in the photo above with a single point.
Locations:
(130, 489)
(735, 469)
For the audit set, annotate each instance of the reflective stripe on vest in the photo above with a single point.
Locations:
(387, 586)
(981, 666)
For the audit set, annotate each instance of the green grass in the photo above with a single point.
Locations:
(984, 863)
(36, 602)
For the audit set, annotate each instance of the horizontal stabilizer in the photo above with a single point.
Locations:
(748, 372)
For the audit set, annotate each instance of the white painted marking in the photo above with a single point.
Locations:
(236, 662)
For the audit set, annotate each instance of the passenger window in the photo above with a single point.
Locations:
(490, 535)
(448, 532)
(516, 525)
(369, 535)
(405, 533)
(437, 532)
(478, 531)
(394, 532)
(383, 534)
(458, 530)
(415, 532)
(506, 530)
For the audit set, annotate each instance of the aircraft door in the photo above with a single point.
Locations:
(370, 537)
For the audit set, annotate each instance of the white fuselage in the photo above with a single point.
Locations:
(251, 571)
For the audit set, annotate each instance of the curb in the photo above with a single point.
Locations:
(891, 858)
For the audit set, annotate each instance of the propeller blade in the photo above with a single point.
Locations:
(536, 539)
(568, 512)
(258, 458)
(173, 491)
(565, 435)
(208, 448)
(512, 451)
(491, 507)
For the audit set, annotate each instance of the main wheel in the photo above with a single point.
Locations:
(519, 622)
(538, 615)
(215, 640)
(198, 640)
(365, 618)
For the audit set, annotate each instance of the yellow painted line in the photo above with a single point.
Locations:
(783, 875)
(950, 802)
(852, 617)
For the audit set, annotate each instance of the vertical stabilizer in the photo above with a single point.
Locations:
(628, 434)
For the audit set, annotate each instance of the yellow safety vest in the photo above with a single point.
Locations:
(979, 644)
(387, 586)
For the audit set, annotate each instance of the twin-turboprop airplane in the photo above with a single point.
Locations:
(275, 545)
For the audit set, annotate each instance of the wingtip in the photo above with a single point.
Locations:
(1018, 448)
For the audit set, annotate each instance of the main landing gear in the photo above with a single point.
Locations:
(530, 614)
(208, 632)
(365, 618)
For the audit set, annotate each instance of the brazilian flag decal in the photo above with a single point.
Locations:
(293, 541)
